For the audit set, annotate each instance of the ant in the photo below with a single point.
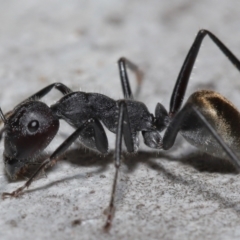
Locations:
(207, 120)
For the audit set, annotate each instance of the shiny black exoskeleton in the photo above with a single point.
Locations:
(207, 120)
(32, 125)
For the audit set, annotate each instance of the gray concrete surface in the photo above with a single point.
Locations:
(179, 194)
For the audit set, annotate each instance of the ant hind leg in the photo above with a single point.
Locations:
(179, 121)
(185, 72)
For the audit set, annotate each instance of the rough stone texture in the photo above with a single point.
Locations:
(179, 194)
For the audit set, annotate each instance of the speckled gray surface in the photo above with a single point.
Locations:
(179, 194)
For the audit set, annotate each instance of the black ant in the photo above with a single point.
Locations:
(207, 120)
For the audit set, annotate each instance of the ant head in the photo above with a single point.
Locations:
(28, 130)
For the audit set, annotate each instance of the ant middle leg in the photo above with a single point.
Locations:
(149, 137)
(126, 87)
(123, 130)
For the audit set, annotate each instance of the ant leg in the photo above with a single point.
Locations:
(95, 138)
(178, 122)
(122, 63)
(3, 118)
(101, 141)
(174, 127)
(59, 86)
(183, 77)
(1, 133)
(100, 138)
(123, 129)
(235, 160)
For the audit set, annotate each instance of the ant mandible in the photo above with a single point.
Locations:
(208, 121)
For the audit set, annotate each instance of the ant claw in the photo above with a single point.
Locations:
(14, 194)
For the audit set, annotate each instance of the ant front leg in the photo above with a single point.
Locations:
(59, 86)
(101, 144)
(40, 94)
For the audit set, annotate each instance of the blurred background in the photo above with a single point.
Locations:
(78, 43)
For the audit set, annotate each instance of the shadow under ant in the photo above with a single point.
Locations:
(202, 189)
(82, 157)
(200, 161)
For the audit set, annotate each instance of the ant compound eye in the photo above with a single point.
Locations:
(33, 126)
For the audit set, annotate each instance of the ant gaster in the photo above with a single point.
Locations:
(208, 121)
